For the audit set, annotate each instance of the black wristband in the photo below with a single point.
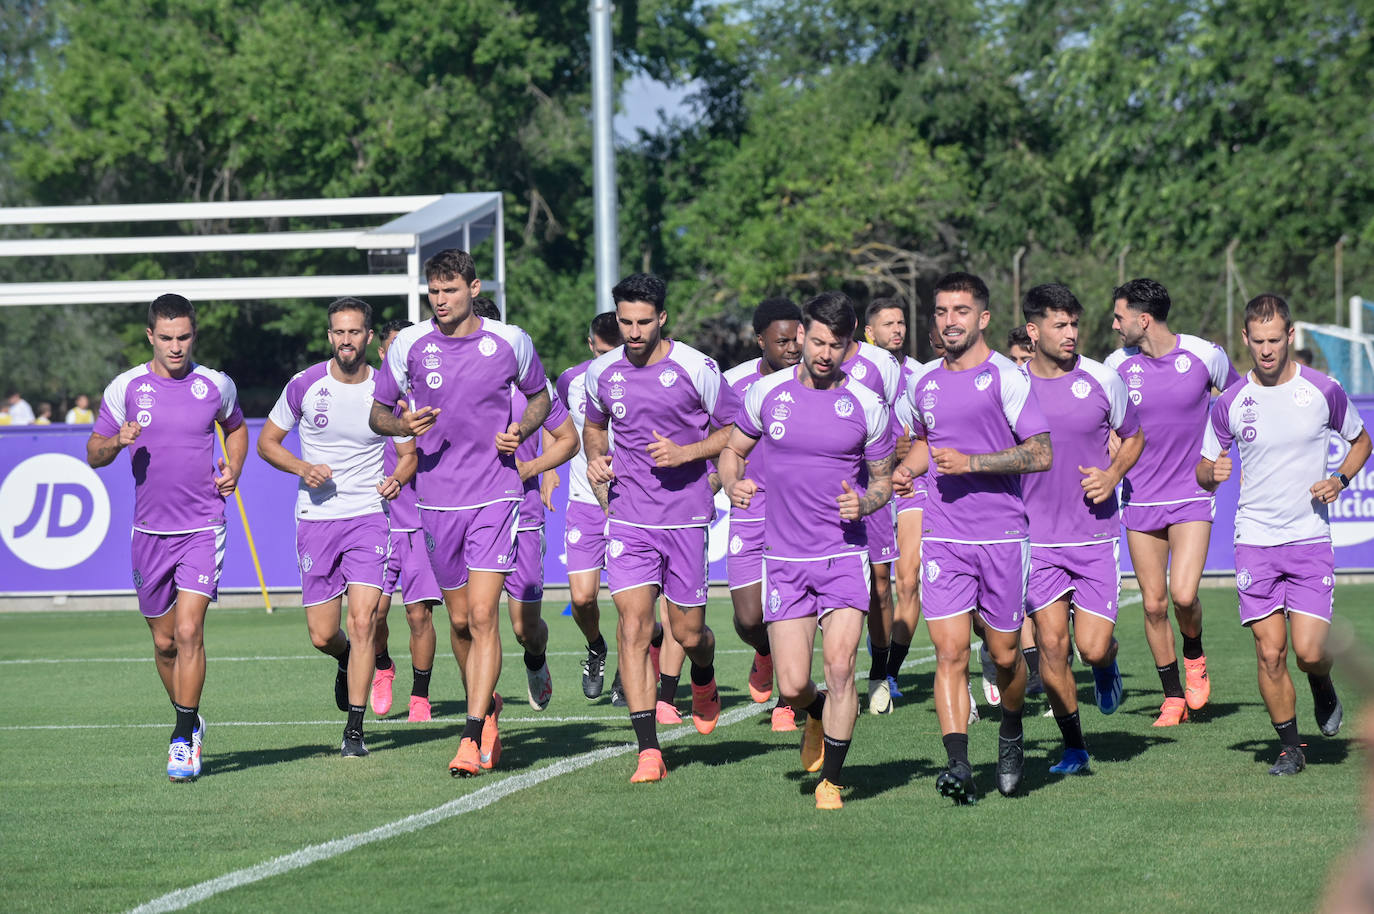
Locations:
(1345, 480)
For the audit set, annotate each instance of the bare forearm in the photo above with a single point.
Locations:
(1127, 455)
(101, 451)
(383, 422)
(406, 465)
(279, 457)
(536, 411)
(236, 449)
(708, 448)
(1359, 453)
(1030, 456)
(879, 486)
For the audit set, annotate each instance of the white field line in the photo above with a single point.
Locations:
(265, 658)
(478, 799)
(1132, 600)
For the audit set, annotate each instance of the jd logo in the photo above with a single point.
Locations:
(54, 511)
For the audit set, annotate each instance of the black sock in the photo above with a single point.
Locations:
(355, 719)
(667, 688)
(767, 649)
(598, 646)
(534, 662)
(657, 639)
(383, 660)
(1192, 647)
(879, 668)
(1032, 655)
(1323, 693)
(816, 707)
(186, 722)
(343, 658)
(1072, 730)
(896, 656)
(1288, 733)
(702, 675)
(1168, 678)
(956, 747)
(421, 687)
(645, 732)
(472, 729)
(1011, 723)
(835, 751)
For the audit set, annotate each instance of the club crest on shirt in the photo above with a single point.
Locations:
(1302, 395)
(844, 407)
(144, 418)
(487, 347)
(781, 412)
(859, 371)
(434, 380)
(736, 544)
(1182, 364)
(574, 535)
(615, 548)
(1243, 579)
(145, 401)
(431, 362)
(1135, 380)
(138, 578)
(199, 389)
(774, 601)
(1136, 397)
(307, 563)
(984, 380)
(928, 399)
(932, 571)
(776, 430)
(667, 378)
(617, 392)
(1249, 434)
(1081, 388)
(618, 410)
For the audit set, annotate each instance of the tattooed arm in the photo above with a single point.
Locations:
(1030, 456)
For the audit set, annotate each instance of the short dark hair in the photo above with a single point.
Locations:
(1266, 306)
(393, 326)
(645, 287)
(606, 328)
(1051, 296)
(834, 310)
(772, 310)
(1019, 336)
(960, 281)
(882, 304)
(449, 263)
(352, 304)
(170, 307)
(1144, 295)
(485, 307)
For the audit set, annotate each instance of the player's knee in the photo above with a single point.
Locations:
(420, 619)
(189, 634)
(1310, 658)
(951, 655)
(1094, 654)
(1184, 598)
(165, 645)
(1156, 609)
(1054, 645)
(839, 671)
(1273, 658)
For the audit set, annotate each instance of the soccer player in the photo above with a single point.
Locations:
(342, 537)
(1074, 523)
(984, 430)
(584, 526)
(878, 370)
(1020, 347)
(525, 583)
(777, 322)
(408, 567)
(1167, 514)
(165, 412)
(821, 426)
(1279, 418)
(457, 370)
(660, 398)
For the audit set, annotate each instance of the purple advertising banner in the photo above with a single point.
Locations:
(64, 528)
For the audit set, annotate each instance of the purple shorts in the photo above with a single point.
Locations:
(526, 580)
(1091, 573)
(882, 535)
(744, 555)
(166, 563)
(672, 558)
(1148, 518)
(1295, 577)
(988, 577)
(584, 537)
(480, 539)
(408, 567)
(917, 500)
(334, 554)
(809, 589)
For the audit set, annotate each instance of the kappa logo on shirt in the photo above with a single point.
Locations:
(1249, 401)
(1135, 368)
(932, 384)
(199, 389)
(618, 378)
(430, 348)
(1182, 364)
(785, 397)
(145, 388)
(487, 347)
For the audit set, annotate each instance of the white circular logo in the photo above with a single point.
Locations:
(932, 571)
(487, 347)
(618, 410)
(431, 362)
(1081, 389)
(199, 389)
(307, 563)
(736, 544)
(983, 381)
(928, 420)
(145, 401)
(615, 548)
(1302, 395)
(1135, 380)
(1182, 364)
(144, 418)
(54, 511)
(617, 392)
(1243, 579)
(776, 431)
(844, 407)
(860, 371)
(774, 601)
(667, 378)
(574, 535)
(434, 380)
(781, 412)
(1136, 397)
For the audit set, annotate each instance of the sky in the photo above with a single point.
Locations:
(640, 101)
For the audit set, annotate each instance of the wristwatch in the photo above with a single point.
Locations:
(1345, 480)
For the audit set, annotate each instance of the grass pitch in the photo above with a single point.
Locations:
(1185, 818)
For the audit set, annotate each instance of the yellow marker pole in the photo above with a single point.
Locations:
(243, 516)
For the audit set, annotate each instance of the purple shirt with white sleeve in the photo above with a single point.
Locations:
(980, 410)
(173, 458)
(741, 378)
(531, 506)
(817, 440)
(1171, 395)
(468, 379)
(681, 396)
(1082, 408)
(1282, 434)
(572, 390)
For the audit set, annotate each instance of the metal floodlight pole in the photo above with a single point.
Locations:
(603, 156)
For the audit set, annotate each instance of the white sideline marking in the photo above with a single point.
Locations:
(213, 659)
(478, 799)
(1131, 600)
